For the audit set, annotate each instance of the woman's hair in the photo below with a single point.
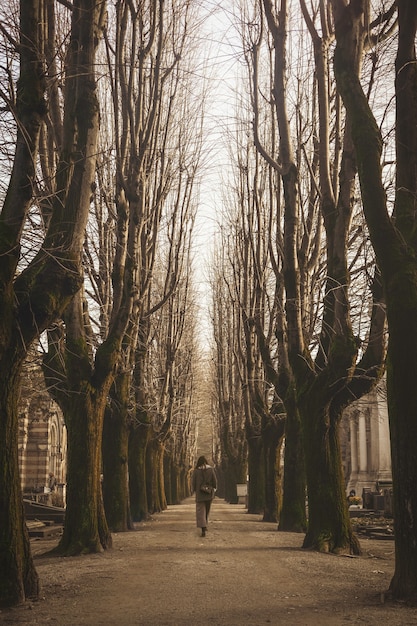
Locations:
(201, 461)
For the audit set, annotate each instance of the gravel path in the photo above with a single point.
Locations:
(243, 572)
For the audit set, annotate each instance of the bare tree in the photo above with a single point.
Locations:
(158, 145)
(229, 415)
(34, 297)
(179, 446)
(167, 372)
(324, 382)
(143, 53)
(393, 239)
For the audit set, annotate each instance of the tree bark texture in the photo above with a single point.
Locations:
(115, 456)
(138, 442)
(155, 476)
(256, 494)
(173, 481)
(85, 529)
(293, 515)
(18, 576)
(81, 390)
(170, 481)
(272, 438)
(329, 528)
(401, 288)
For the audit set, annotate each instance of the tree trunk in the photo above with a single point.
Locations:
(256, 494)
(170, 485)
(329, 528)
(85, 529)
(185, 490)
(115, 456)
(81, 390)
(272, 437)
(155, 476)
(173, 481)
(402, 407)
(35, 297)
(395, 247)
(293, 517)
(401, 287)
(234, 473)
(138, 444)
(292, 511)
(234, 461)
(18, 577)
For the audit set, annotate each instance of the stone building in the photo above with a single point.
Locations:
(42, 438)
(365, 443)
(42, 446)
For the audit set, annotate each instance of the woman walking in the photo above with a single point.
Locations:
(204, 484)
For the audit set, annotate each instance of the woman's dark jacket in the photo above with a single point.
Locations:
(204, 475)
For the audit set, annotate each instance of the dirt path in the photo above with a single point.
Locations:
(243, 573)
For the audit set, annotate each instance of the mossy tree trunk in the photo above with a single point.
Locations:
(272, 440)
(85, 528)
(293, 515)
(115, 456)
(329, 528)
(138, 443)
(155, 476)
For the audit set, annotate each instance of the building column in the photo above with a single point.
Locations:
(384, 460)
(353, 448)
(363, 454)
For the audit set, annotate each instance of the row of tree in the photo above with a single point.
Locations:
(294, 268)
(95, 233)
(300, 298)
(107, 131)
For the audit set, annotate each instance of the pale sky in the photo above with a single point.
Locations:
(222, 47)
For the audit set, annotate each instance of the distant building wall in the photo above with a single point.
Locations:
(365, 443)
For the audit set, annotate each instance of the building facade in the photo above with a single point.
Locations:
(42, 440)
(365, 442)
